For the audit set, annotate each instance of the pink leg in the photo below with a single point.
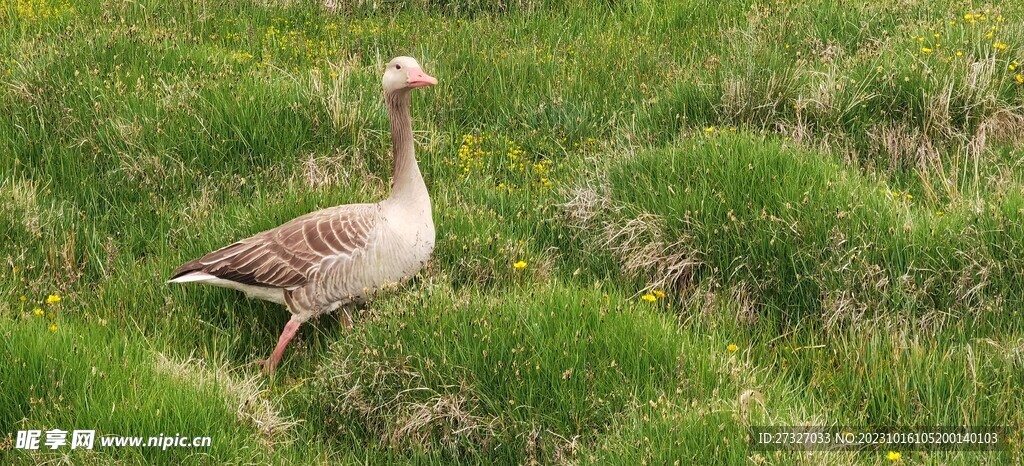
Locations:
(282, 342)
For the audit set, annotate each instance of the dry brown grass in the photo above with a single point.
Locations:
(344, 105)
(246, 396)
(446, 418)
(19, 199)
(384, 392)
(642, 247)
(324, 171)
(638, 241)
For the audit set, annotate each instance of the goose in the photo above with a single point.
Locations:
(336, 257)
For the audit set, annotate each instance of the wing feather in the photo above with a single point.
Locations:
(287, 256)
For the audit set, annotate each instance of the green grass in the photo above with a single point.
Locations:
(834, 188)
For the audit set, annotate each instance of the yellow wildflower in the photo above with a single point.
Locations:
(53, 327)
(649, 298)
(959, 53)
(732, 348)
(659, 294)
(53, 299)
(926, 50)
(38, 312)
(1019, 78)
(519, 265)
(939, 213)
(894, 456)
(999, 46)
(709, 129)
(23, 298)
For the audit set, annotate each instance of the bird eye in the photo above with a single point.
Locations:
(398, 67)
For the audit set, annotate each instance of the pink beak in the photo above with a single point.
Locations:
(417, 78)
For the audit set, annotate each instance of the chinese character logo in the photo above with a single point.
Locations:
(28, 439)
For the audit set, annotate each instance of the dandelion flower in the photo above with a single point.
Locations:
(926, 50)
(659, 294)
(732, 348)
(38, 311)
(519, 265)
(53, 299)
(939, 213)
(1019, 78)
(709, 129)
(23, 298)
(959, 53)
(649, 298)
(894, 456)
(999, 46)
(53, 327)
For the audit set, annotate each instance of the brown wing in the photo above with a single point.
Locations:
(287, 256)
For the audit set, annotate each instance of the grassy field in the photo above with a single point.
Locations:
(730, 214)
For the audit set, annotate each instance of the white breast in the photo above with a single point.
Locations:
(403, 242)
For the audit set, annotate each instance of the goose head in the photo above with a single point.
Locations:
(403, 73)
